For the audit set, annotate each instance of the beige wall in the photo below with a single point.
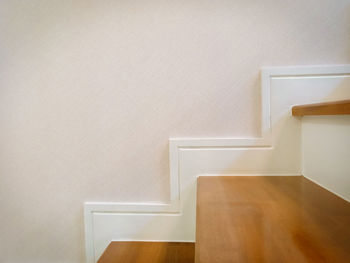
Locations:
(90, 92)
(326, 151)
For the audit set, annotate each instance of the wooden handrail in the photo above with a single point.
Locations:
(326, 108)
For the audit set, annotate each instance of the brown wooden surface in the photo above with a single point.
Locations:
(326, 108)
(270, 219)
(148, 252)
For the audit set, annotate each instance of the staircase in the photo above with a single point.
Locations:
(257, 219)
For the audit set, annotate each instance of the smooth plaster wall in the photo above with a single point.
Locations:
(326, 152)
(90, 92)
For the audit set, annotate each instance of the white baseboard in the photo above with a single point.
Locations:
(148, 240)
(276, 152)
(262, 174)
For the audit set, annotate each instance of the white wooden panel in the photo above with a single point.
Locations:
(326, 151)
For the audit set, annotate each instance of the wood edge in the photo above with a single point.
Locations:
(341, 107)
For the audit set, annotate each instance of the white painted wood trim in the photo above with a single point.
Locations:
(306, 71)
(261, 174)
(143, 240)
(175, 144)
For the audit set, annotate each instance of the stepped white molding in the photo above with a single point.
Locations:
(115, 214)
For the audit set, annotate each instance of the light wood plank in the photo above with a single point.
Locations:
(270, 219)
(148, 252)
(326, 108)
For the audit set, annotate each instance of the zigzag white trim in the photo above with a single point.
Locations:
(175, 144)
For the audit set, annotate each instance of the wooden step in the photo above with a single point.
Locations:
(270, 219)
(325, 108)
(148, 252)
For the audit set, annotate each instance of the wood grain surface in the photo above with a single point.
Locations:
(270, 219)
(325, 108)
(148, 252)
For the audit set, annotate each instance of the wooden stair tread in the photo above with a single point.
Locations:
(148, 252)
(270, 219)
(325, 108)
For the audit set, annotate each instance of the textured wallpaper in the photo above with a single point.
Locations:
(90, 92)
